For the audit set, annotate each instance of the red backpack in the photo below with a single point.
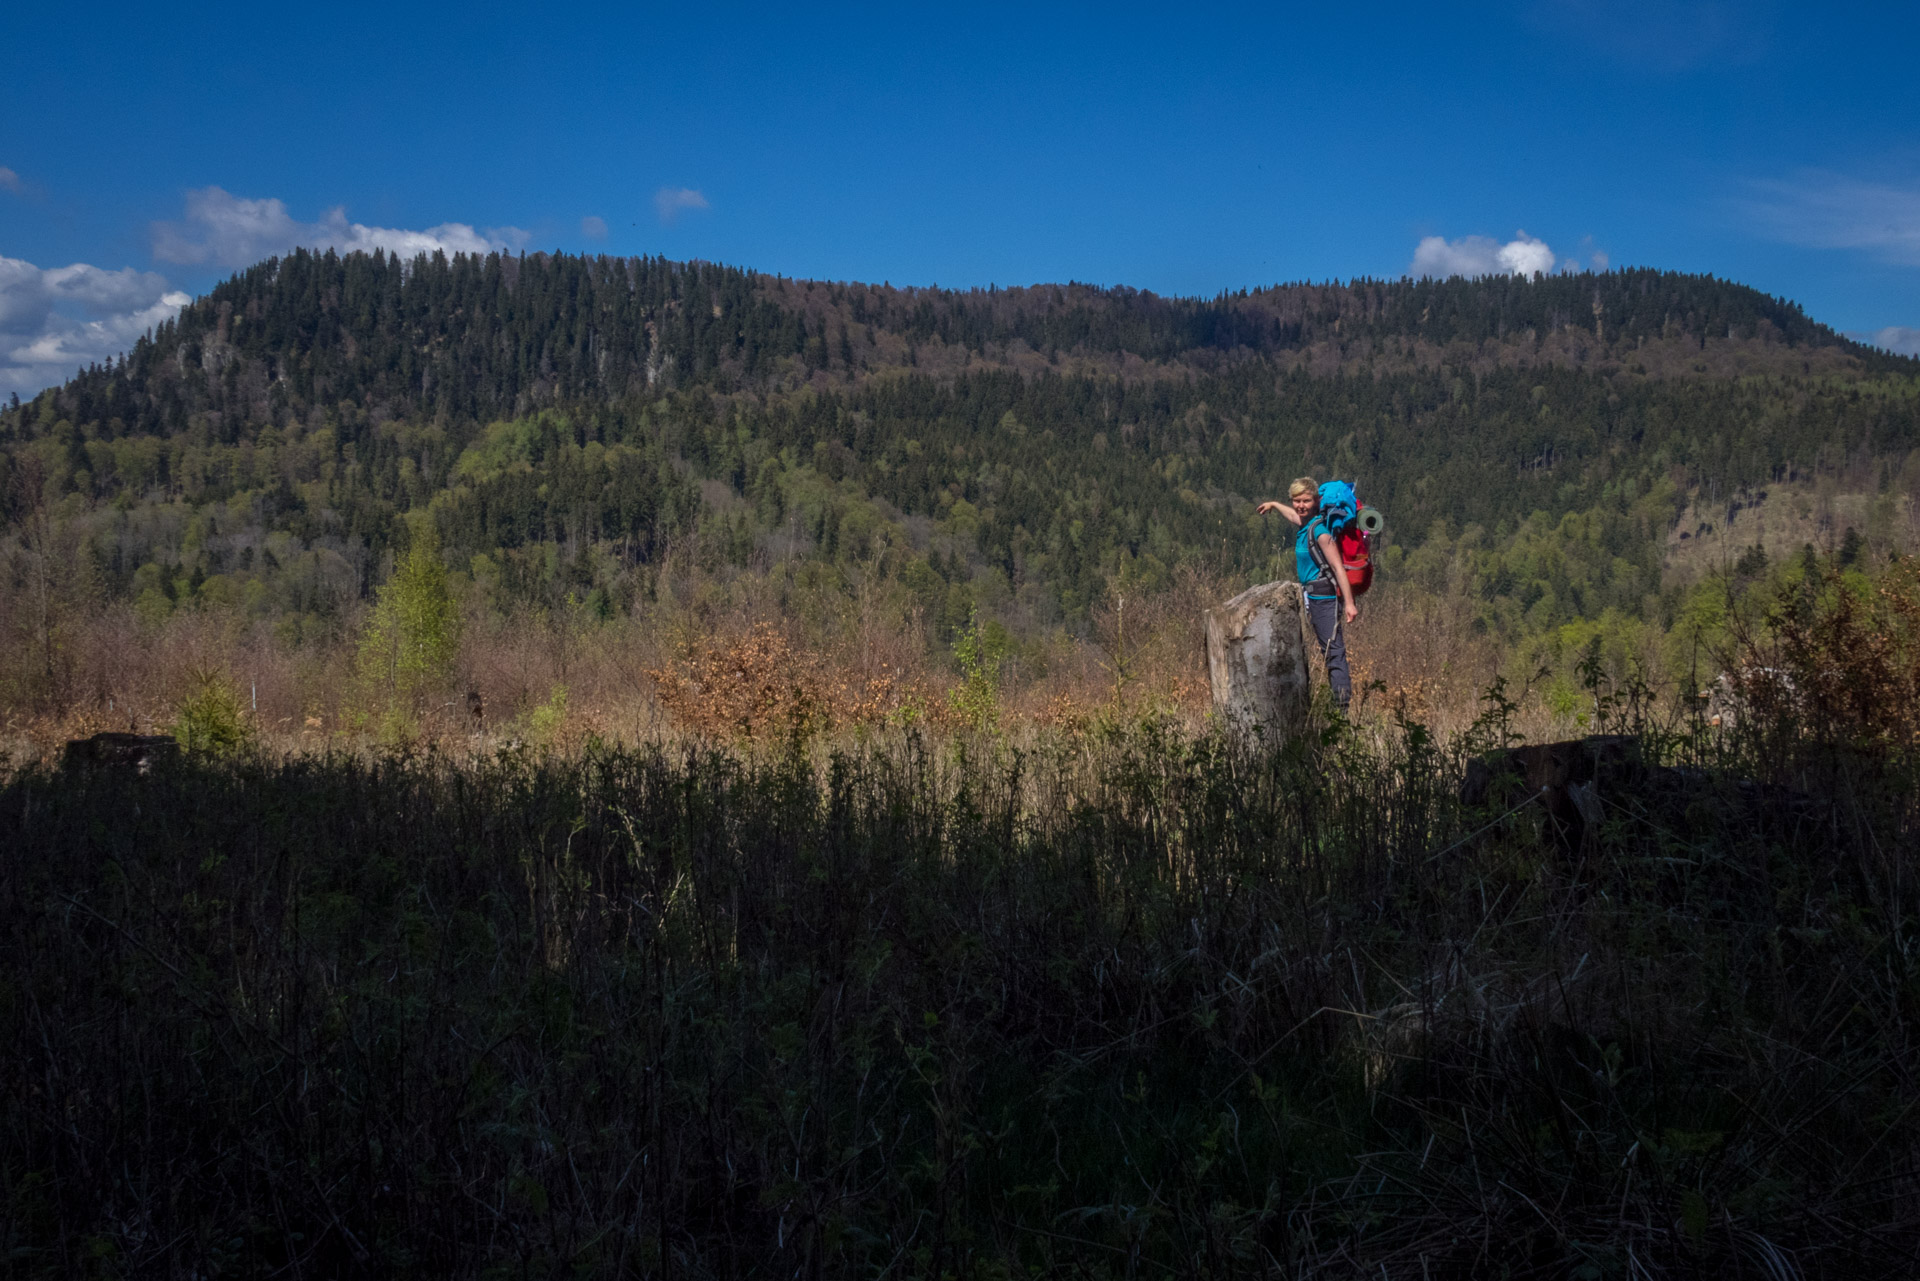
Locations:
(1353, 525)
(1356, 552)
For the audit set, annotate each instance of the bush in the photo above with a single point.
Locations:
(212, 720)
(759, 685)
(546, 721)
(1848, 648)
(980, 652)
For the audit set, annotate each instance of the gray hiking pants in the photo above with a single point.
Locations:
(1324, 614)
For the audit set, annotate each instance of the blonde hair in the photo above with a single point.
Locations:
(1304, 485)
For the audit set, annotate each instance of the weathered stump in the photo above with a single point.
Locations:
(139, 751)
(1577, 785)
(1566, 779)
(1259, 662)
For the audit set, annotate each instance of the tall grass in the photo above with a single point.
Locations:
(728, 659)
(1128, 1003)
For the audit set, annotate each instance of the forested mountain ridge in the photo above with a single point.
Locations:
(481, 337)
(562, 421)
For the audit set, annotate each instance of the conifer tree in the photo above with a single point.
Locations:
(413, 634)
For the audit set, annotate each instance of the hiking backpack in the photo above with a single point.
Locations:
(1353, 525)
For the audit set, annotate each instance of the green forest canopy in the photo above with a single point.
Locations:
(563, 420)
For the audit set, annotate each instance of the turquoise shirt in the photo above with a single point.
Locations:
(1307, 564)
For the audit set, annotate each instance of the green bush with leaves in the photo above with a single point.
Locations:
(980, 651)
(546, 720)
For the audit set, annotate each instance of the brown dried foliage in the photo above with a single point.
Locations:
(760, 684)
(1840, 664)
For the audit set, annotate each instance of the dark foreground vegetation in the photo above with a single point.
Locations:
(1125, 1003)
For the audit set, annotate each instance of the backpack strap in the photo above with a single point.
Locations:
(1320, 557)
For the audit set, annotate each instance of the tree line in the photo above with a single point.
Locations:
(561, 421)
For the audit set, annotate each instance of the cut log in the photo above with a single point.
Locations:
(1566, 780)
(1577, 785)
(139, 751)
(1259, 662)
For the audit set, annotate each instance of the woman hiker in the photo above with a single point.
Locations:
(1323, 578)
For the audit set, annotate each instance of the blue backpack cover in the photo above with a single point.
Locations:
(1339, 504)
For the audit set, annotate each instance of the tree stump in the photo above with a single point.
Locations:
(137, 751)
(1259, 662)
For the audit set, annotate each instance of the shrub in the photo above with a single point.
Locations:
(760, 684)
(546, 721)
(212, 719)
(1836, 663)
(980, 652)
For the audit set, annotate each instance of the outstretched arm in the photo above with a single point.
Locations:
(1285, 509)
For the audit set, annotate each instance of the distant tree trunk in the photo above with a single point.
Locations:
(1259, 662)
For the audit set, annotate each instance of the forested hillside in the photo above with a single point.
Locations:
(563, 427)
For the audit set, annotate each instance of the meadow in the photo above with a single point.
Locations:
(1106, 996)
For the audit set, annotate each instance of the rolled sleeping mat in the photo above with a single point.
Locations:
(1371, 521)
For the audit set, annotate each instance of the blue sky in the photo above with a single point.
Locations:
(147, 151)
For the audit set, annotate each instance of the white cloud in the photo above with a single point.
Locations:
(223, 230)
(10, 181)
(1439, 257)
(593, 228)
(1902, 340)
(1599, 260)
(101, 292)
(1830, 211)
(24, 302)
(55, 320)
(671, 201)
